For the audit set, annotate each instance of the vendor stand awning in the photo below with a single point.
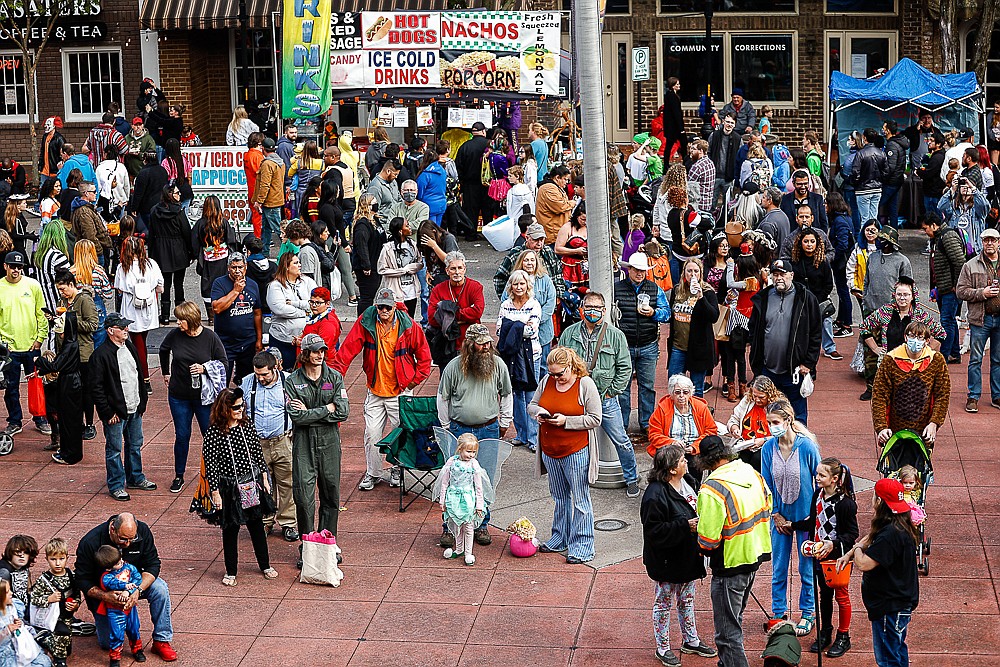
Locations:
(210, 14)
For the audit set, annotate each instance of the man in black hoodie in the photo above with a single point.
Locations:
(930, 172)
(147, 190)
(896, 147)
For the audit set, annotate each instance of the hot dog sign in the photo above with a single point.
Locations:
(401, 49)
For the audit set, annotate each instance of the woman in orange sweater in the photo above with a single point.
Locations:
(680, 418)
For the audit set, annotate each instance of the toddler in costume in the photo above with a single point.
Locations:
(464, 489)
(125, 579)
(910, 479)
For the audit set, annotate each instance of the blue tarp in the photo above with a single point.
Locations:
(906, 82)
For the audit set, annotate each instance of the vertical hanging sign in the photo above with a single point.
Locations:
(306, 58)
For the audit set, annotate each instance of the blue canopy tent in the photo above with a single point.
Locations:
(955, 100)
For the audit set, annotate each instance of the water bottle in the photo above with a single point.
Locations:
(196, 380)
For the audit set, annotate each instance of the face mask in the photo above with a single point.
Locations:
(778, 430)
(592, 316)
(409, 196)
(915, 345)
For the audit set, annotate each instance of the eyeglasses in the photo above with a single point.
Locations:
(238, 406)
(316, 302)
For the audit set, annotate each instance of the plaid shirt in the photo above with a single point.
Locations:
(703, 172)
(616, 195)
(549, 259)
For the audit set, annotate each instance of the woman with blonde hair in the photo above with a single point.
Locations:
(520, 306)
(749, 419)
(567, 406)
(694, 309)
(240, 127)
(544, 290)
(89, 273)
(367, 239)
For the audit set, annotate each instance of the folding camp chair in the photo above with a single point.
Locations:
(413, 447)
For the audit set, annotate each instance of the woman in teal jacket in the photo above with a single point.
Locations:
(788, 462)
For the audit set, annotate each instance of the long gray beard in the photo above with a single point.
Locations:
(479, 365)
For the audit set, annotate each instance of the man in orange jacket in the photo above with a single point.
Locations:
(251, 165)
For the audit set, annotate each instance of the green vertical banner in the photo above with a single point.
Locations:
(305, 90)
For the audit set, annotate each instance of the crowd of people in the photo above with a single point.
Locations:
(750, 255)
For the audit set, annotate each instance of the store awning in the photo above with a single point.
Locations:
(208, 14)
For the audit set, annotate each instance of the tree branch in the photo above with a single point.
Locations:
(984, 34)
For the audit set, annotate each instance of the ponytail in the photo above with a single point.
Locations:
(845, 481)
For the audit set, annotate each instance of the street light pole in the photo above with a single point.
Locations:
(587, 34)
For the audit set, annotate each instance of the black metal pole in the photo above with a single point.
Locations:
(244, 51)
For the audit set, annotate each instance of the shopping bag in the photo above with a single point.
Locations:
(36, 396)
(721, 324)
(319, 559)
(25, 647)
(45, 618)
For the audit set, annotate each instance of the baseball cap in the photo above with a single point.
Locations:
(781, 266)
(478, 127)
(385, 297)
(966, 132)
(15, 258)
(637, 261)
(267, 144)
(890, 491)
(712, 446)
(137, 121)
(990, 233)
(313, 343)
(116, 321)
(535, 231)
(479, 334)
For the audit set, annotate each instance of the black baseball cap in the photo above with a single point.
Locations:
(478, 127)
(115, 320)
(781, 266)
(15, 258)
(267, 144)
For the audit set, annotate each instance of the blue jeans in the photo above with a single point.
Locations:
(950, 305)
(614, 426)
(524, 424)
(481, 433)
(852, 203)
(781, 556)
(868, 207)
(790, 389)
(573, 519)
(543, 367)
(125, 435)
(182, 411)
(425, 293)
(889, 204)
(159, 611)
(677, 366)
(675, 269)
(12, 395)
(644, 373)
(889, 639)
(829, 345)
(270, 223)
(989, 331)
(930, 205)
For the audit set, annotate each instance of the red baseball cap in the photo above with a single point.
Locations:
(137, 121)
(891, 493)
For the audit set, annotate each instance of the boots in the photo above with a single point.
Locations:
(164, 313)
(841, 646)
(733, 395)
(823, 640)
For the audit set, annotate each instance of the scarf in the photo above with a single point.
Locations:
(313, 319)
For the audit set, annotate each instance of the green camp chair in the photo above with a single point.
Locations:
(413, 447)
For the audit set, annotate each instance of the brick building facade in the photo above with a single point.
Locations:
(98, 62)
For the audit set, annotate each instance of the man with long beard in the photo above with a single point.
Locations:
(475, 396)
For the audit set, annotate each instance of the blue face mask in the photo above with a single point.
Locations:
(778, 430)
(915, 345)
(593, 316)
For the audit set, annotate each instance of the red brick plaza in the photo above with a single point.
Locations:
(401, 604)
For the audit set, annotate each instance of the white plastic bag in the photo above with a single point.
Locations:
(336, 284)
(807, 386)
(25, 647)
(45, 618)
(319, 559)
(502, 233)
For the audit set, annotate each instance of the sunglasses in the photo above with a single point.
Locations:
(384, 308)
(238, 406)
(560, 374)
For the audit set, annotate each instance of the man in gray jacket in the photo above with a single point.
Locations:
(384, 188)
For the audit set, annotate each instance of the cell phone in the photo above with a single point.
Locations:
(46, 311)
(544, 414)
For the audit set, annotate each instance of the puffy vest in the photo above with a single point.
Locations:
(638, 330)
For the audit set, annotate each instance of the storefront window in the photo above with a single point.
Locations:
(684, 57)
(260, 67)
(729, 7)
(92, 79)
(762, 65)
(860, 6)
(14, 103)
(611, 7)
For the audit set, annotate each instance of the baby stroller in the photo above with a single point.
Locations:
(6, 441)
(907, 448)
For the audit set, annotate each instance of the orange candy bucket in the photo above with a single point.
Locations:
(835, 579)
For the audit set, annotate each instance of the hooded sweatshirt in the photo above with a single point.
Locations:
(883, 272)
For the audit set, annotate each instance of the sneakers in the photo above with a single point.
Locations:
(80, 628)
(119, 494)
(447, 541)
(395, 477)
(89, 432)
(175, 487)
(164, 650)
(144, 485)
(149, 387)
(669, 659)
(12, 429)
(43, 427)
(632, 490)
(368, 482)
(842, 331)
(836, 356)
(699, 649)
(482, 535)
(867, 396)
(290, 534)
(57, 457)
(972, 405)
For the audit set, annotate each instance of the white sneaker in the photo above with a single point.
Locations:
(368, 482)
(469, 559)
(395, 477)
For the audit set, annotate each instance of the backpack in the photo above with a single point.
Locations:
(824, 171)
(782, 169)
(760, 172)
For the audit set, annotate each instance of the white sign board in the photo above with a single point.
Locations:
(640, 63)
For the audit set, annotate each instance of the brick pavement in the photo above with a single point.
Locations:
(401, 604)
